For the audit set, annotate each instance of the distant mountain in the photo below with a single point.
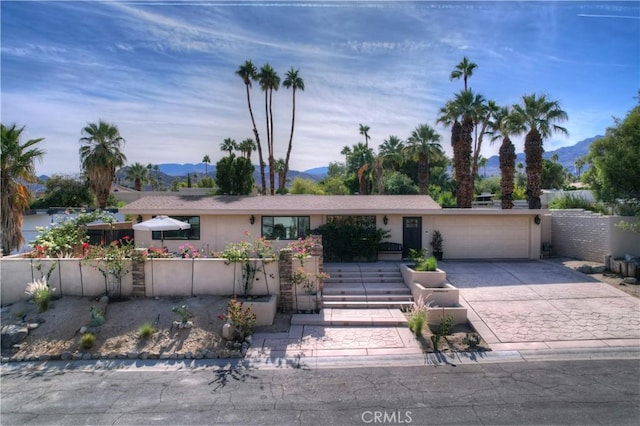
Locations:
(567, 156)
(318, 171)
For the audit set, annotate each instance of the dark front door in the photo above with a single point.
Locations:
(411, 234)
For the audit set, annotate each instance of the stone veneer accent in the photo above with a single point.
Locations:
(286, 288)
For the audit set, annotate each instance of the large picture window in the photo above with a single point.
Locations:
(285, 227)
(192, 233)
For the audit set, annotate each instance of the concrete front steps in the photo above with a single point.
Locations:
(365, 286)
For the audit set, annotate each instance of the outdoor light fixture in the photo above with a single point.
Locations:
(252, 219)
(537, 220)
(385, 219)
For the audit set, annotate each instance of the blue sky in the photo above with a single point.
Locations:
(163, 71)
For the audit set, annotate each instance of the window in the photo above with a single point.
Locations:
(192, 233)
(366, 221)
(285, 227)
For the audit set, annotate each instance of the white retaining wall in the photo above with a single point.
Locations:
(591, 236)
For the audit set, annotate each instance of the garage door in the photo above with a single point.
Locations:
(484, 237)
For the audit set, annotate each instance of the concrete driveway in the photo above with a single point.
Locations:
(518, 305)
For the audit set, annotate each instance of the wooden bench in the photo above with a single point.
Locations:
(389, 251)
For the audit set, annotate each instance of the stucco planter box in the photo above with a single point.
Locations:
(444, 295)
(264, 308)
(427, 279)
(437, 313)
(306, 302)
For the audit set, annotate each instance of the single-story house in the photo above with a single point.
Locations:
(411, 219)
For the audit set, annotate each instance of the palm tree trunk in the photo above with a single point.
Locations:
(533, 154)
(463, 175)
(478, 148)
(255, 132)
(272, 172)
(286, 160)
(266, 114)
(507, 172)
(456, 135)
(423, 174)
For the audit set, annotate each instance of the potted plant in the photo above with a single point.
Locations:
(436, 244)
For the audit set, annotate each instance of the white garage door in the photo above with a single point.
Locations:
(484, 237)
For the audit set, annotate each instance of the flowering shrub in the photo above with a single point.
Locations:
(113, 262)
(242, 253)
(156, 253)
(243, 319)
(307, 280)
(188, 251)
(61, 239)
(301, 248)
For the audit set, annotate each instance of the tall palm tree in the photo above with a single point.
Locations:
(248, 73)
(539, 116)
(504, 124)
(16, 168)
(482, 162)
(228, 145)
(292, 81)
(391, 152)
(269, 81)
(423, 145)
(156, 168)
(206, 160)
(246, 147)
(463, 70)
(484, 112)
(364, 131)
(100, 155)
(461, 108)
(279, 167)
(579, 164)
(137, 173)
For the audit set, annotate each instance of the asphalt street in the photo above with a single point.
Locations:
(576, 392)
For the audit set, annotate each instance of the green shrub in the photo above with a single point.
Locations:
(519, 193)
(87, 340)
(429, 264)
(570, 201)
(97, 316)
(146, 330)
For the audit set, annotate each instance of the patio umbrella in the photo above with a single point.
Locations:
(161, 223)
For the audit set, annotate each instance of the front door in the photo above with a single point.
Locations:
(411, 234)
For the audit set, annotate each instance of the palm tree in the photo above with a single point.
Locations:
(505, 123)
(269, 81)
(555, 157)
(461, 108)
(484, 113)
(137, 173)
(100, 155)
(539, 116)
(228, 145)
(279, 167)
(423, 145)
(206, 160)
(391, 152)
(248, 73)
(463, 70)
(16, 168)
(156, 168)
(579, 164)
(482, 162)
(364, 131)
(246, 147)
(295, 82)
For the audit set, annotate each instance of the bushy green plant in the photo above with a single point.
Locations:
(146, 330)
(569, 201)
(87, 340)
(444, 329)
(114, 262)
(41, 293)
(519, 192)
(183, 312)
(416, 322)
(471, 339)
(429, 264)
(417, 256)
(243, 319)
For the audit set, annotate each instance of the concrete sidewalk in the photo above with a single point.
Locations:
(514, 306)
